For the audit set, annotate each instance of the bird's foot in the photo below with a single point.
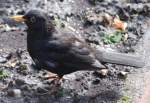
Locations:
(50, 75)
(55, 79)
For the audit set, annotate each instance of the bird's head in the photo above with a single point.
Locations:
(34, 19)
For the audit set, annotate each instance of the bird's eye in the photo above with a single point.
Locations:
(32, 19)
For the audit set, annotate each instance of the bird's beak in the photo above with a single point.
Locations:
(18, 18)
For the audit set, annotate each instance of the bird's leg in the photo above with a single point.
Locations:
(51, 76)
(54, 77)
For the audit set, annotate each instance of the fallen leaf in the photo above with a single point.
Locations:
(118, 24)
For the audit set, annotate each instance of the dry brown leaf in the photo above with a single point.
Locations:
(118, 24)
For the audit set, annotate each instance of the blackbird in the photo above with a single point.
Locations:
(58, 52)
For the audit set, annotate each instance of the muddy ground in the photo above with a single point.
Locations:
(22, 82)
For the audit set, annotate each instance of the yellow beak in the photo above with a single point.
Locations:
(18, 18)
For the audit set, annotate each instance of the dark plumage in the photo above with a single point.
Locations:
(57, 52)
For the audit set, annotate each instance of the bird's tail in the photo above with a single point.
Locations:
(120, 58)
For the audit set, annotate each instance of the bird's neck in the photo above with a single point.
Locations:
(40, 33)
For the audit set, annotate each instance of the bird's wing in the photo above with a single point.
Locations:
(73, 51)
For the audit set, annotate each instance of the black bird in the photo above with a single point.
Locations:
(53, 50)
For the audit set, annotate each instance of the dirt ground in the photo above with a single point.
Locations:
(22, 82)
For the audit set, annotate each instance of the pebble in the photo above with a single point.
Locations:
(7, 56)
(3, 60)
(123, 74)
(26, 87)
(96, 81)
(101, 73)
(14, 93)
(19, 82)
(41, 90)
(104, 72)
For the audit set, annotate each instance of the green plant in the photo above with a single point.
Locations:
(112, 38)
(124, 99)
(3, 74)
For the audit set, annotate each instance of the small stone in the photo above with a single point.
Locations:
(26, 87)
(8, 28)
(13, 64)
(41, 90)
(19, 52)
(3, 60)
(78, 79)
(7, 56)
(101, 73)
(123, 74)
(14, 93)
(96, 81)
(21, 12)
(104, 72)
(19, 82)
(125, 37)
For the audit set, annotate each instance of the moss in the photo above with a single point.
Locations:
(124, 99)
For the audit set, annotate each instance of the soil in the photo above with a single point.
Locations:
(25, 83)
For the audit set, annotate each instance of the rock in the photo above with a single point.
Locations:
(7, 56)
(26, 88)
(123, 74)
(19, 52)
(101, 73)
(104, 72)
(21, 12)
(41, 90)
(96, 81)
(14, 93)
(19, 82)
(3, 60)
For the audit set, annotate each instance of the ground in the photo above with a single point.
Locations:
(22, 82)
